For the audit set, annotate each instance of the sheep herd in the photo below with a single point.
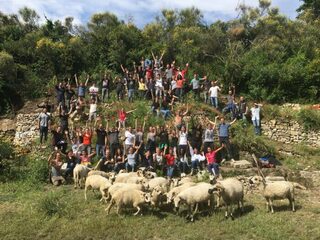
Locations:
(136, 189)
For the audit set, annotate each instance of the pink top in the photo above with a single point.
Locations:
(211, 157)
(122, 116)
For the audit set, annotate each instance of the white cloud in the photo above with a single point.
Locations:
(142, 11)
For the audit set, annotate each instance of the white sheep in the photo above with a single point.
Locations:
(192, 196)
(231, 191)
(179, 181)
(276, 190)
(116, 186)
(135, 180)
(80, 172)
(157, 196)
(130, 198)
(159, 181)
(122, 177)
(109, 175)
(176, 190)
(150, 175)
(97, 182)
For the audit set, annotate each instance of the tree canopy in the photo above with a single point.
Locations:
(265, 54)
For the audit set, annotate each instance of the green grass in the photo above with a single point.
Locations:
(62, 213)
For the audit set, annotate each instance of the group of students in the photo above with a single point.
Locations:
(168, 150)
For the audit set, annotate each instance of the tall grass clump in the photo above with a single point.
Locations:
(309, 119)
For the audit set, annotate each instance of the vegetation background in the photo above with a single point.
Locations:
(264, 53)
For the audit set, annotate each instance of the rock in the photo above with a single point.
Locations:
(241, 164)
(7, 125)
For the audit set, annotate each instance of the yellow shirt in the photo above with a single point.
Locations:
(142, 86)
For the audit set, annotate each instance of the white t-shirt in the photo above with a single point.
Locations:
(255, 112)
(93, 90)
(159, 83)
(183, 138)
(129, 138)
(214, 91)
(93, 107)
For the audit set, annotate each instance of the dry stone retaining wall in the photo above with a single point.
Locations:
(290, 131)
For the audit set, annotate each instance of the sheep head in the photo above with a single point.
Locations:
(147, 197)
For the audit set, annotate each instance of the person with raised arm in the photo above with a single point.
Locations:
(212, 164)
(131, 159)
(223, 133)
(81, 86)
(196, 158)
(208, 135)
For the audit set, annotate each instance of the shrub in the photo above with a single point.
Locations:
(245, 139)
(310, 119)
(52, 205)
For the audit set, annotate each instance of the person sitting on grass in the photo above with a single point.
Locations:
(212, 164)
(131, 159)
(85, 158)
(170, 162)
(55, 163)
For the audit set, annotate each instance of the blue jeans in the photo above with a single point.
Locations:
(118, 167)
(130, 167)
(183, 166)
(214, 101)
(130, 94)
(228, 108)
(213, 168)
(170, 171)
(256, 124)
(100, 150)
(195, 164)
(165, 113)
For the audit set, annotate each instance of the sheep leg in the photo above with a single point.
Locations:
(189, 211)
(231, 212)
(136, 213)
(194, 212)
(268, 205)
(118, 209)
(85, 193)
(292, 204)
(226, 212)
(271, 205)
(109, 207)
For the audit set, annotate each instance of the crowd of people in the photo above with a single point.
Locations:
(168, 149)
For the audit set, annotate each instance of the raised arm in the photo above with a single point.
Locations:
(87, 80)
(186, 112)
(131, 111)
(234, 120)
(144, 124)
(137, 150)
(136, 124)
(162, 55)
(76, 79)
(190, 149)
(154, 58)
(220, 148)
(122, 68)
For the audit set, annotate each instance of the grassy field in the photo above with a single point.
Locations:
(48, 212)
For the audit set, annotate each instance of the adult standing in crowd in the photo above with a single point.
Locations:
(44, 121)
(255, 117)
(82, 87)
(223, 131)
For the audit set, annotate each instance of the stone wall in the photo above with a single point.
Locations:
(27, 129)
(289, 131)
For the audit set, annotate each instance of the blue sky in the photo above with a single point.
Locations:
(142, 11)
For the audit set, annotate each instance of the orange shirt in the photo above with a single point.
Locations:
(87, 138)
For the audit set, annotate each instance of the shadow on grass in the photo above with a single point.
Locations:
(285, 208)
